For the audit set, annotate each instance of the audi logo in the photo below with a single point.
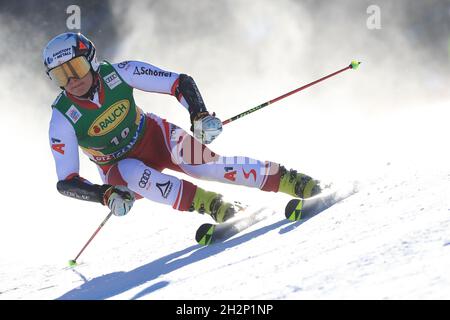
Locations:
(144, 179)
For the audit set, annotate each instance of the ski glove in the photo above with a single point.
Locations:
(119, 200)
(206, 127)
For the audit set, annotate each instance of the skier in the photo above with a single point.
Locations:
(96, 111)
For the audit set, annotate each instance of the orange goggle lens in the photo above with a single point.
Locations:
(76, 68)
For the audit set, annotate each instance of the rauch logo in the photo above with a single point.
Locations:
(109, 119)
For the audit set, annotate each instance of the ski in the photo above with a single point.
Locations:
(302, 209)
(295, 210)
(210, 233)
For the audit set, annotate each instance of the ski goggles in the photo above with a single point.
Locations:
(75, 68)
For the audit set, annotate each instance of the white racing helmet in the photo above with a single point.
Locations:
(69, 55)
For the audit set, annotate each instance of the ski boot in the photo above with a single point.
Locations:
(212, 204)
(297, 184)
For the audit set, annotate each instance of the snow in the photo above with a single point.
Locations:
(389, 241)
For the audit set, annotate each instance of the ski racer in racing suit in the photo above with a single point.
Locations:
(96, 111)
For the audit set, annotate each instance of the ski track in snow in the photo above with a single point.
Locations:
(389, 241)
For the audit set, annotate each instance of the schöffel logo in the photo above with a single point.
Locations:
(109, 119)
(150, 72)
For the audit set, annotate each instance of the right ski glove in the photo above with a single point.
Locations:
(119, 200)
(206, 127)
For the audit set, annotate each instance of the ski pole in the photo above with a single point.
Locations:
(353, 65)
(73, 262)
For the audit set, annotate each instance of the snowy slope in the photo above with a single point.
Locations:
(391, 240)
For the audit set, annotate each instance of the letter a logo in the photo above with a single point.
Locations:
(230, 175)
(58, 147)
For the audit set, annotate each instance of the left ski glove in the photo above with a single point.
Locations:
(119, 200)
(206, 127)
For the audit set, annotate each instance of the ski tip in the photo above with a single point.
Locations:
(346, 189)
(204, 234)
(293, 211)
